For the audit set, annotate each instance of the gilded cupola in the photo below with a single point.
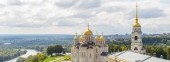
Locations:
(102, 37)
(76, 37)
(82, 38)
(88, 32)
(97, 37)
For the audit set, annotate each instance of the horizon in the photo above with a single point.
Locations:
(93, 34)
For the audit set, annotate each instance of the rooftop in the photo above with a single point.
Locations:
(129, 56)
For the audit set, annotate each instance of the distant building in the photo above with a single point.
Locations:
(86, 48)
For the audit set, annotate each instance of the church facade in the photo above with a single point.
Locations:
(89, 48)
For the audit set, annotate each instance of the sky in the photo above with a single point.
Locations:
(71, 16)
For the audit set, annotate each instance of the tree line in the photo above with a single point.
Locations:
(159, 50)
(7, 54)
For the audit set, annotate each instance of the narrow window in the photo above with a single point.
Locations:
(136, 37)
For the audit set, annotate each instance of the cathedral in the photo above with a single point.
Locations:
(136, 37)
(89, 48)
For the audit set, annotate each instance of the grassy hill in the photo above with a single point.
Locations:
(64, 58)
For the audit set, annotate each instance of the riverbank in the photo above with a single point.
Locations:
(29, 52)
(10, 53)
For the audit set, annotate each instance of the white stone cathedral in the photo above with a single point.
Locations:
(86, 48)
(136, 37)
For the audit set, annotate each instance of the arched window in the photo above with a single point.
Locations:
(136, 38)
(135, 48)
(143, 48)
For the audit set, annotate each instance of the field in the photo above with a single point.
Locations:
(58, 59)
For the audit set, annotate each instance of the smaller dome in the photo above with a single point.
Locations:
(102, 37)
(97, 37)
(75, 37)
(82, 38)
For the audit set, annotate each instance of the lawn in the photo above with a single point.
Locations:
(56, 58)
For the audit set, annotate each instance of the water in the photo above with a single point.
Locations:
(29, 52)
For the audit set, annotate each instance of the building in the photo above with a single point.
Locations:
(129, 56)
(137, 52)
(86, 48)
(136, 37)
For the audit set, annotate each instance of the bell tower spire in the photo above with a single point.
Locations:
(136, 13)
(136, 19)
(88, 26)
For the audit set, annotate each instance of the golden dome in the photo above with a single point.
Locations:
(136, 24)
(75, 37)
(88, 32)
(82, 37)
(97, 37)
(102, 37)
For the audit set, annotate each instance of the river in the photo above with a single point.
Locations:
(29, 52)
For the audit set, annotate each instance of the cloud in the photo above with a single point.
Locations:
(84, 4)
(165, 1)
(151, 13)
(66, 3)
(59, 16)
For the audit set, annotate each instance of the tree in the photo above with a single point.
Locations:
(168, 52)
(29, 59)
(54, 49)
(159, 51)
(153, 50)
(20, 59)
(35, 59)
(148, 49)
(58, 49)
(123, 47)
(50, 50)
(41, 56)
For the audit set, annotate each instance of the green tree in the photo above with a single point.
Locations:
(58, 49)
(29, 59)
(168, 52)
(41, 57)
(148, 49)
(123, 47)
(153, 50)
(54, 49)
(20, 59)
(50, 50)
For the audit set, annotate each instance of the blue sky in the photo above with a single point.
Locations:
(71, 16)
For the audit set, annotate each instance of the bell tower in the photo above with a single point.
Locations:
(136, 36)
